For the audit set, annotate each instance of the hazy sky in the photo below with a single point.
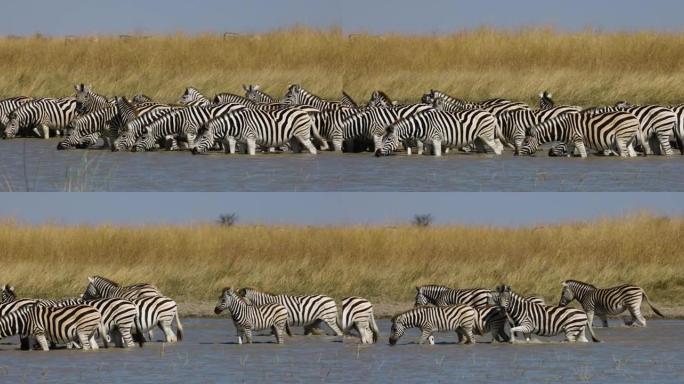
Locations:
(332, 208)
(73, 17)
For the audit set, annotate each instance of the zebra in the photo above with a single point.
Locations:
(459, 318)
(379, 99)
(613, 131)
(541, 320)
(9, 105)
(514, 124)
(101, 287)
(44, 113)
(357, 313)
(439, 128)
(679, 132)
(268, 129)
(248, 317)
(66, 325)
(607, 301)
(141, 98)
(253, 92)
(546, 101)
(158, 311)
(328, 124)
(491, 319)
(307, 310)
(441, 295)
(453, 103)
(134, 129)
(347, 101)
(183, 122)
(103, 121)
(193, 97)
(372, 122)
(88, 101)
(296, 95)
(658, 124)
(221, 98)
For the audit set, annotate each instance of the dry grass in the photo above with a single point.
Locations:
(192, 263)
(580, 68)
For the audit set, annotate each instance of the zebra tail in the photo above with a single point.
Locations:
(138, 337)
(640, 139)
(287, 328)
(106, 339)
(679, 132)
(657, 312)
(374, 328)
(179, 328)
(591, 332)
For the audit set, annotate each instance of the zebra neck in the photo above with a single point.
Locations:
(581, 291)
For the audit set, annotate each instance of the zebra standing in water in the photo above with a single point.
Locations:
(441, 295)
(296, 95)
(459, 318)
(42, 113)
(158, 311)
(357, 313)
(66, 325)
(541, 320)
(616, 131)
(99, 287)
(102, 123)
(607, 301)
(308, 310)
(192, 97)
(134, 129)
(679, 132)
(88, 101)
(9, 105)
(439, 128)
(514, 124)
(248, 317)
(254, 93)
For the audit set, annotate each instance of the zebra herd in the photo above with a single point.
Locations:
(121, 315)
(259, 122)
(127, 314)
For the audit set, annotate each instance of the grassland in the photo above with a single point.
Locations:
(192, 263)
(582, 68)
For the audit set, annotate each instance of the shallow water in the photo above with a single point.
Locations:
(36, 165)
(208, 354)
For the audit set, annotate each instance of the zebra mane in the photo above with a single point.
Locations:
(349, 100)
(127, 104)
(566, 282)
(243, 291)
(106, 280)
(381, 95)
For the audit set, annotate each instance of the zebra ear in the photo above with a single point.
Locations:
(550, 95)
(507, 288)
(78, 87)
(417, 288)
(90, 279)
(246, 88)
(541, 95)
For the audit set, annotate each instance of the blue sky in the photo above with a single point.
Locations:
(75, 17)
(333, 208)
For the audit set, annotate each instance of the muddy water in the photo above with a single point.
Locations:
(36, 165)
(209, 354)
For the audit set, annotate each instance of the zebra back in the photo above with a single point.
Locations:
(254, 92)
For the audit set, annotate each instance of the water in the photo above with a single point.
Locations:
(209, 354)
(36, 165)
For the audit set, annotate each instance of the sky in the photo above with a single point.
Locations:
(80, 17)
(506, 209)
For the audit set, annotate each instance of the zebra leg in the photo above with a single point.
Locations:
(251, 146)
(665, 144)
(46, 131)
(581, 148)
(337, 145)
(42, 341)
(248, 335)
(437, 147)
(408, 150)
(306, 142)
(93, 342)
(604, 320)
(169, 336)
(638, 319)
(426, 335)
(491, 143)
(84, 339)
(332, 323)
(525, 329)
(419, 147)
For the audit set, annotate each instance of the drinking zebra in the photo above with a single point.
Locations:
(266, 129)
(603, 302)
(296, 95)
(441, 295)
(88, 101)
(541, 320)
(357, 313)
(184, 122)
(248, 317)
(10, 104)
(66, 325)
(459, 318)
(614, 131)
(491, 319)
(514, 124)
(100, 287)
(45, 114)
(309, 311)
(134, 129)
(254, 92)
(104, 122)
(158, 311)
(192, 97)
(439, 128)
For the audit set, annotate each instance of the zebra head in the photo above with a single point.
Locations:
(379, 99)
(141, 98)
(421, 299)
(124, 141)
(501, 297)
(70, 138)
(204, 140)
(192, 96)
(567, 295)
(145, 142)
(390, 142)
(8, 294)
(91, 291)
(228, 296)
(397, 329)
(546, 100)
(428, 98)
(12, 126)
(84, 97)
(293, 95)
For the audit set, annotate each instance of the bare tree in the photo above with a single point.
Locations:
(227, 219)
(423, 221)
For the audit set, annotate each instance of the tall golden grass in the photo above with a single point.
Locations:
(582, 68)
(192, 263)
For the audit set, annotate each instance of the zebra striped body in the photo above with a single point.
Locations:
(379, 99)
(102, 122)
(248, 317)
(88, 101)
(10, 104)
(296, 95)
(254, 93)
(357, 313)
(157, 311)
(459, 318)
(452, 104)
(491, 319)
(658, 124)
(267, 129)
(604, 302)
(441, 295)
(679, 132)
(539, 319)
(372, 122)
(100, 287)
(614, 131)
(221, 98)
(328, 124)
(347, 101)
(57, 325)
(44, 113)
(183, 122)
(308, 310)
(192, 97)
(15, 305)
(514, 124)
(440, 128)
(134, 129)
